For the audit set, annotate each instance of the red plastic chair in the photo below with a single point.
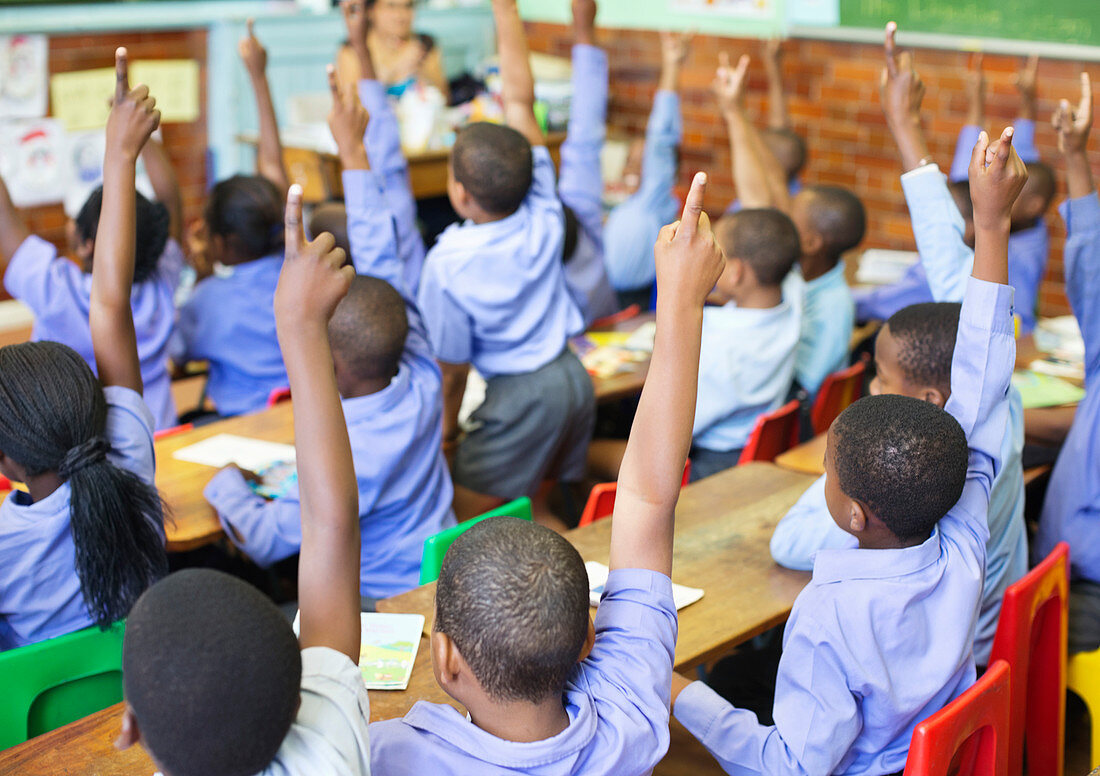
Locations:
(278, 396)
(601, 501)
(971, 730)
(774, 433)
(167, 432)
(610, 320)
(837, 391)
(1032, 638)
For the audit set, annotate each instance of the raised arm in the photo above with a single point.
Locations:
(166, 186)
(13, 229)
(997, 175)
(269, 158)
(132, 120)
(689, 263)
(1073, 126)
(314, 279)
(901, 93)
(975, 120)
(664, 128)
(517, 82)
(779, 116)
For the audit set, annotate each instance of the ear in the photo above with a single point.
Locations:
(130, 733)
(812, 242)
(934, 396)
(446, 660)
(84, 250)
(857, 517)
(589, 640)
(1034, 206)
(732, 276)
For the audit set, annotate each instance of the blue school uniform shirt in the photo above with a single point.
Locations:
(881, 639)
(616, 699)
(40, 595)
(494, 294)
(580, 184)
(396, 436)
(632, 226)
(746, 367)
(1071, 512)
(230, 322)
(58, 292)
(828, 317)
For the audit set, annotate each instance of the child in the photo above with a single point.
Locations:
(254, 703)
(632, 226)
(57, 291)
(87, 538)
(390, 386)
(747, 365)
(547, 691)
(493, 294)
(228, 320)
(1073, 496)
(866, 654)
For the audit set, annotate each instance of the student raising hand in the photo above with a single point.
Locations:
(997, 175)
(348, 121)
(1073, 126)
(901, 91)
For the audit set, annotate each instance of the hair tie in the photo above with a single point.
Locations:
(87, 453)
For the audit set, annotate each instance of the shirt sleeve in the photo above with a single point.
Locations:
(880, 302)
(826, 337)
(171, 263)
(581, 184)
(371, 231)
(34, 270)
(266, 531)
(449, 328)
(130, 432)
(1023, 140)
(544, 184)
(1028, 250)
(807, 528)
(1082, 261)
(938, 228)
(964, 149)
(663, 135)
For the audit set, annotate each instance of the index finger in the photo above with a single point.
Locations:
(693, 206)
(891, 48)
(250, 25)
(1085, 108)
(293, 221)
(122, 74)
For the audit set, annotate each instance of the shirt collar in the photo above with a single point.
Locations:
(851, 564)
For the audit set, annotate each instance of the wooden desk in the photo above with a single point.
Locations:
(629, 383)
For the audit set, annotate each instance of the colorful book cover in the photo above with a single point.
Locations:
(388, 649)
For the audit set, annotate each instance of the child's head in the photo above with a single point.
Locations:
(1034, 200)
(511, 613)
(830, 220)
(331, 217)
(53, 418)
(913, 352)
(212, 674)
(152, 233)
(367, 334)
(760, 247)
(490, 172)
(788, 147)
(894, 466)
(243, 219)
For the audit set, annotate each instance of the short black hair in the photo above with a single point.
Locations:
(1041, 181)
(247, 211)
(213, 673)
(368, 330)
(838, 216)
(789, 148)
(903, 459)
(494, 164)
(152, 223)
(764, 238)
(331, 217)
(513, 596)
(926, 335)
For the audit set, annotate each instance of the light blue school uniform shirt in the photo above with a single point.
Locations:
(230, 322)
(632, 226)
(40, 595)
(881, 639)
(1071, 512)
(828, 317)
(58, 292)
(580, 184)
(616, 699)
(494, 294)
(396, 436)
(746, 367)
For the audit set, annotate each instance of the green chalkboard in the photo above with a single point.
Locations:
(1059, 21)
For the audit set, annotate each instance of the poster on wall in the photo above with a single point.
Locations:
(84, 162)
(23, 76)
(746, 9)
(33, 161)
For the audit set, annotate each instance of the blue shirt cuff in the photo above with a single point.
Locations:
(988, 306)
(698, 707)
(225, 488)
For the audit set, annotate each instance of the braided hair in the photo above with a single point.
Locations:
(53, 417)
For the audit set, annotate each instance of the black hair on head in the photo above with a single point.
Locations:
(1040, 182)
(960, 192)
(926, 335)
(152, 230)
(213, 673)
(331, 217)
(493, 163)
(765, 239)
(53, 418)
(838, 216)
(368, 330)
(789, 148)
(903, 459)
(513, 596)
(572, 234)
(247, 211)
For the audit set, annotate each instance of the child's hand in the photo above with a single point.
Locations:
(314, 277)
(584, 21)
(997, 175)
(347, 120)
(975, 84)
(1073, 125)
(689, 261)
(253, 54)
(1027, 85)
(901, 88)
(357, 22)
(773, 53)
(730, 82)
(133, 117)
(674, 48)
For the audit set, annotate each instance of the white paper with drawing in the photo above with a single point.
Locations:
(248, 453)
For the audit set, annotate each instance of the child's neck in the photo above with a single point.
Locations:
(758, 297)
(520, 721)
(42, 485)
(365, 387)
(816, 265)
(886, 540)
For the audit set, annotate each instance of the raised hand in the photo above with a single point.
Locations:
(772, 50)
(674, 47)
(689, 261)
(584, 22)
(975, 93)
(1026, 82)
(356, 20)
(730, 83)
(997, 175)
(901, 88)
(1074, 124)
(133, 117)
(348, 121)
(252, 52)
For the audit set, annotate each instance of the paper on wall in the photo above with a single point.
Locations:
(80, 100)
(24, 72)
(175, 84)
(33, 161)
(223, 449)
(85, 152)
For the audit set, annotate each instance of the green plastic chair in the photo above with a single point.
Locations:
(435, 547)
(57, 681)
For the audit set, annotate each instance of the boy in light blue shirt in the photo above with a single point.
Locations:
(390, 386)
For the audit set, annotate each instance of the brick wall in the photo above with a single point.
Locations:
(834, 105)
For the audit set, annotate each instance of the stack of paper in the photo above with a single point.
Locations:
(597, 579)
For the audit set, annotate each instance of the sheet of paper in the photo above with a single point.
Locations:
(34, 161)
(79, 100)
(24, 73)
(879, 267)
(175, 84)
(1044, 390)
(597, 578)
(248, 453)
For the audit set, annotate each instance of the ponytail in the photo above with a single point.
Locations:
(53, 417)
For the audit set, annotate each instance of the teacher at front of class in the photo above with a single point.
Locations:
(400, 56)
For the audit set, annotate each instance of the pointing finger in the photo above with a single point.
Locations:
(977, 156)
(693, 206)
(1085, 109)
(122, 75)
(891, 49)
(294, 236)
(251, 26)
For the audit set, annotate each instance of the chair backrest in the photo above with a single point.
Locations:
(774, 433)
(57, 681)
(167, 432)
(435, 547)
(610, 320)
(837, 391)
(972, 729)
(278, 396)
(601, 500)
(1032, 638)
